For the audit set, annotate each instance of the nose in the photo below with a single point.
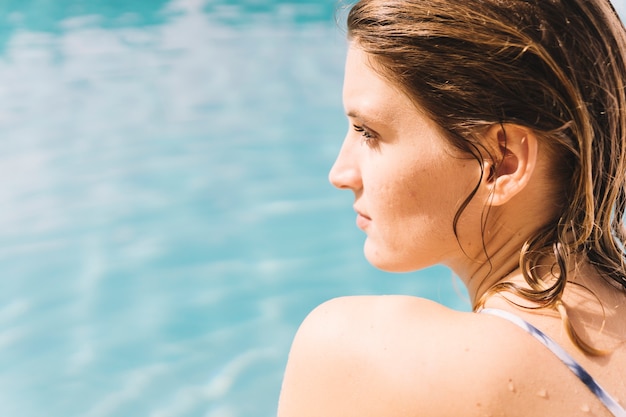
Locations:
(346, 173)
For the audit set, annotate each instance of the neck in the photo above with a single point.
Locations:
(495, 259)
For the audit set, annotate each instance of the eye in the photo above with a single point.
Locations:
(367, 136)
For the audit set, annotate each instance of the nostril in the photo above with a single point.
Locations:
(344, 178)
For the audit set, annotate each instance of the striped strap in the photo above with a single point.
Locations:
(565, 357)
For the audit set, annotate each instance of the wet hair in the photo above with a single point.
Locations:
(554, 66)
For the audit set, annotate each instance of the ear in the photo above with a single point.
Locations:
(516, 158)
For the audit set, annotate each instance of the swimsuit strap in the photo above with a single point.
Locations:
(565, 357)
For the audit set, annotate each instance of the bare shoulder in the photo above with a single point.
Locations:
(394, 356)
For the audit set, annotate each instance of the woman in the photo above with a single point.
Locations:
(488, 136)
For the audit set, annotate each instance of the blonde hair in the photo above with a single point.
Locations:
(555, 66)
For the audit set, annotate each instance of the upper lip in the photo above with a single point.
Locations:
(360, 213)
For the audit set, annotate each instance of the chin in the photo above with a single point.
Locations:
(389, 261)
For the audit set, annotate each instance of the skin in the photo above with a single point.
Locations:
(406, 356)
(409, 182)
(402, 171)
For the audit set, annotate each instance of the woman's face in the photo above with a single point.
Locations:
(408, 181)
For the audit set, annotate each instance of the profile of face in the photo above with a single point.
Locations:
(408, 180)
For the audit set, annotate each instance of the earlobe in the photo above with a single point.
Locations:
(516, 152)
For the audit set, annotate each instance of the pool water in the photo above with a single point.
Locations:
(166, 222)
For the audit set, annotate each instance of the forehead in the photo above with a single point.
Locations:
(366, 92)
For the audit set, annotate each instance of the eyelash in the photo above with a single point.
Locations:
(367, 136)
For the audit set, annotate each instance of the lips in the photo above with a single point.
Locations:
(362, 221)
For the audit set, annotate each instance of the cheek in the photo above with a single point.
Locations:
(394, 195)
(403, 199)
(425, 181)
(413, 206)
(427, 195)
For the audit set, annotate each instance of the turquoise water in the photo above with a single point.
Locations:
(166, 219)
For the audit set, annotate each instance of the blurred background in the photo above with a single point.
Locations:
(165, 218)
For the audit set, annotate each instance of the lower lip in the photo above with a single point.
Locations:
(362, 222)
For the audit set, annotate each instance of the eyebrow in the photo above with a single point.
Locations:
(364, 117)
(358, 115)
